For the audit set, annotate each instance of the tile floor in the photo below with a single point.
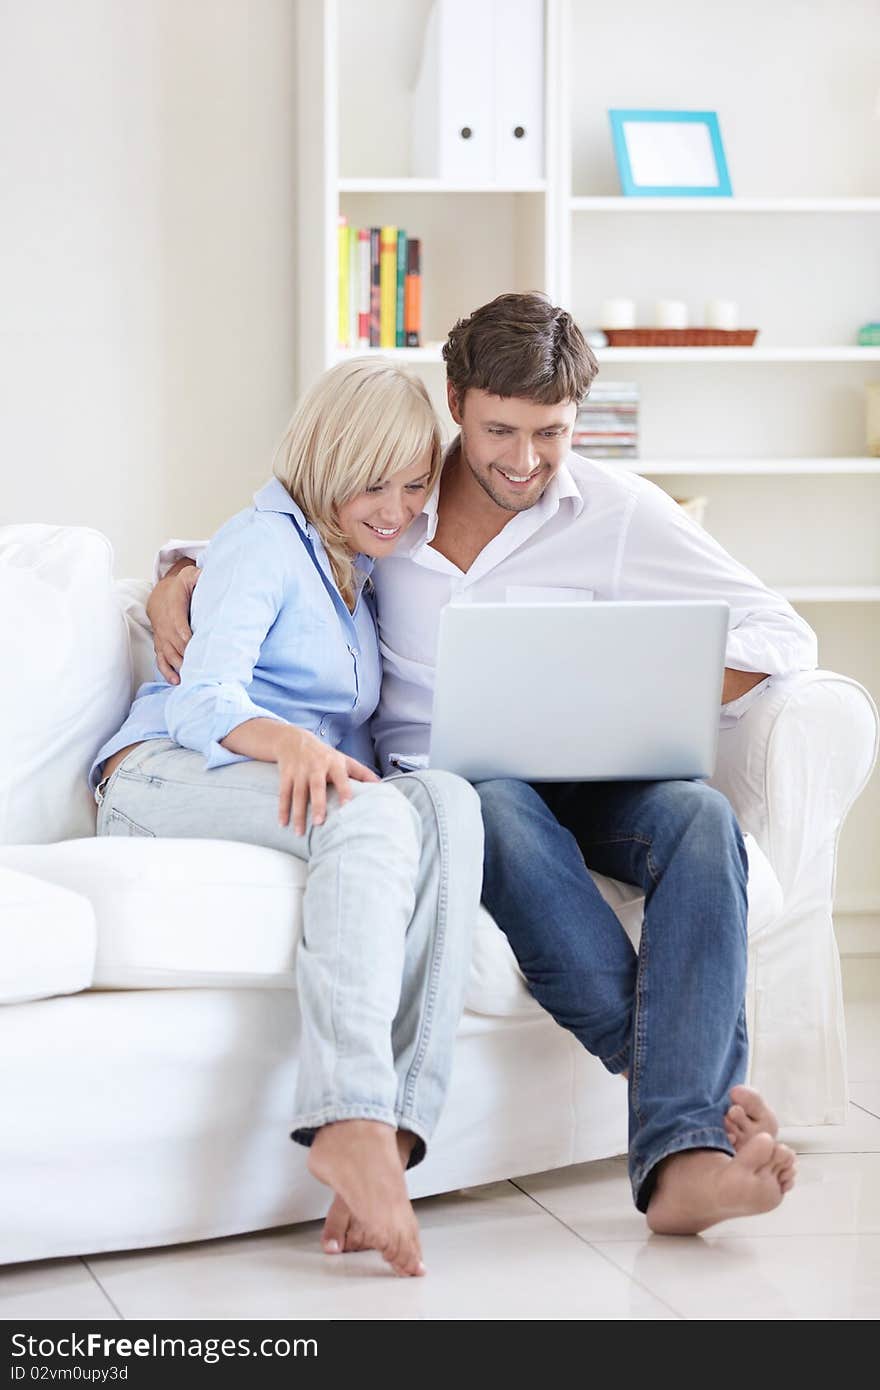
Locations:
(558, 1245)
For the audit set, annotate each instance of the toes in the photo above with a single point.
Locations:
(333, 1236)
(757, 1153)
(403, 1252)
(356, 1238)
(784, 1162)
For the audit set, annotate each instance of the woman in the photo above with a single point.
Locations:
(266, 740)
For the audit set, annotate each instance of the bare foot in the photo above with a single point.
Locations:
(748, 1115)
(343, 1232)
(359, 1159)
(701, 1187)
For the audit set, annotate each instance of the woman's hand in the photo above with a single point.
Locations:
(168, 611)
(305, 766)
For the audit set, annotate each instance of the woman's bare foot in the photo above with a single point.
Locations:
(700, 1187)
(748, 1115)
(343, 1232)
(359, 1159)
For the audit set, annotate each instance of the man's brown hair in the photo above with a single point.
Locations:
(520, 345)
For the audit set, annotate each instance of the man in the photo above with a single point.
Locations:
(516, 515)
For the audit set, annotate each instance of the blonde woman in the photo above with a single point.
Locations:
(266, 739)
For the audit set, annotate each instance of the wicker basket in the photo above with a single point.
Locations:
(680, 337)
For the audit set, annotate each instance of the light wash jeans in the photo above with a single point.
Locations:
(389, 909)
(671, 1016)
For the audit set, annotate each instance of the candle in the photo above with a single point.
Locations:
(670, 313)
(722, 313)
(618, 313)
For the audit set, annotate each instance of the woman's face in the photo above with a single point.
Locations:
(374, 521)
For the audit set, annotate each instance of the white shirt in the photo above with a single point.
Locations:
(597, 533)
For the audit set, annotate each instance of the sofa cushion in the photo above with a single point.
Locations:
(183, 913)
(47, 939)
(67, 677)
(172, 914)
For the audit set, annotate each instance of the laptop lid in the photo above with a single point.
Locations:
(579, 691)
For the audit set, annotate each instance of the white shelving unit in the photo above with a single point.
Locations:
(722, 205)
(742, 356)
(779, 449)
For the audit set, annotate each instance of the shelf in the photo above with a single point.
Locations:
(432, 353)
(657, 468)
(728, 205)
(829, 593)
(738, 354)
(434, 186)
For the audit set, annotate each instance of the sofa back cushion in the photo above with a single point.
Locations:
(66, 677)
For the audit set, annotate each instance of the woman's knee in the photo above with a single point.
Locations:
(446, 801)
(380, 812)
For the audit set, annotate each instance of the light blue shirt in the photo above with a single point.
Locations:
(272, 638)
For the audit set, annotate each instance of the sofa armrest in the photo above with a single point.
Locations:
(795, 763)
(792, 768)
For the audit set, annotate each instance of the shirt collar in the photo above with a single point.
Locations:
(562, 486)
(274, 497)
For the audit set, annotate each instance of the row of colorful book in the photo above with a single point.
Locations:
(607, 425)
(380, 287)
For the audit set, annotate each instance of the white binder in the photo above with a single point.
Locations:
(519, 90)
(453, 116)
(479, 98)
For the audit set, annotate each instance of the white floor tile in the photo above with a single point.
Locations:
(806, 1277)
(866, 1095)
(863, 1041)
(50, 1289)
(860, 1134)
(490, 1253)
(835, 1194)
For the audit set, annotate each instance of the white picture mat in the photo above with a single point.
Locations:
(674, 153)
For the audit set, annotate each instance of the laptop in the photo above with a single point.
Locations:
(550, 692)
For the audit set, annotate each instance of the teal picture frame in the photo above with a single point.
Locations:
(630, 185)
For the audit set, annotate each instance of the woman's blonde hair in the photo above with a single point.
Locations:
(361, 422)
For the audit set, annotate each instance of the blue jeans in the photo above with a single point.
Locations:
(673, 1015)
(390, 902)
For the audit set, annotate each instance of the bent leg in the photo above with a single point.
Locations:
(576, 957)
(437, 950)
(681, 843)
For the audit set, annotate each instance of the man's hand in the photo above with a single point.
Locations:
(168, 611)
(737, 683)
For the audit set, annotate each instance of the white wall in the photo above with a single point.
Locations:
(147, 259)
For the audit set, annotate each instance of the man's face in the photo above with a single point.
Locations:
(512, 446)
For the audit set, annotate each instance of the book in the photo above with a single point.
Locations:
(399, 330)
(375, 287)
(388, 287)
(342, 329)
(412, 310)
(363, 337)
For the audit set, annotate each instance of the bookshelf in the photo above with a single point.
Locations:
(772, 435)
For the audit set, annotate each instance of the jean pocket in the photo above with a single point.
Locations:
(116, 823)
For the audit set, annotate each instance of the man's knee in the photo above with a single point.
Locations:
(702, 818)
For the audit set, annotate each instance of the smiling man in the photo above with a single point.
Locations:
(518, 516)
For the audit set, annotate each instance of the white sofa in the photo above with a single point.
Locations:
(149, 1019)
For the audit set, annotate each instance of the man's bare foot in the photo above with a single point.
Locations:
(748, 1115)
(359, 1159)
(343, 1232)
(700, 1187)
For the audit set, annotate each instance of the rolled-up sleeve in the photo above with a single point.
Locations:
(236, 601)
(666, 555)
